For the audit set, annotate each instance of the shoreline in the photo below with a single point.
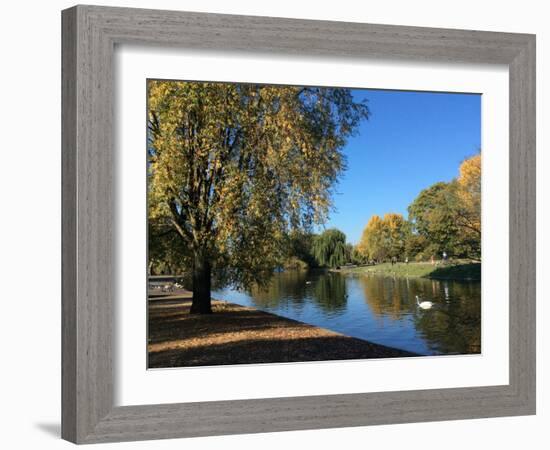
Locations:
(462, 271)
(236, 334)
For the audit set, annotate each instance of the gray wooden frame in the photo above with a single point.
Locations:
(89, 36)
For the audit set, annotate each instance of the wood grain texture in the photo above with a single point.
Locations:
(68, 226)
(89, 36)
(522, 283)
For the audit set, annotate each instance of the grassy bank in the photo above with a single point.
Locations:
(236, 334)
(463, 270)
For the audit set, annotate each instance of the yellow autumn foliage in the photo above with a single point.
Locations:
(233, 167)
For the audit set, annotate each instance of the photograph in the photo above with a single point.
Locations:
(305, 223)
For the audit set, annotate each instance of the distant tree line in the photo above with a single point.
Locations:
(444, 218)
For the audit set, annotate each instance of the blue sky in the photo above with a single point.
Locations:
(412, 140)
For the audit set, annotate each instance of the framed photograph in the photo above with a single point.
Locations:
(277, 224)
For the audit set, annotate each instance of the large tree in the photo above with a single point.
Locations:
(432, 215)
(445, 220)
(233, 167)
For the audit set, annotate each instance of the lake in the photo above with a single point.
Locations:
(376, 308)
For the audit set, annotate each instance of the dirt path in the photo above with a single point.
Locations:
(236, 334)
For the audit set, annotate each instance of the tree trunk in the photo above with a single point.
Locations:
(201, 286)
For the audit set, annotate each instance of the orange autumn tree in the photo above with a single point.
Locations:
(384, 238)
(468, 191)
(395, 231)
(371, 244)
(232, 168)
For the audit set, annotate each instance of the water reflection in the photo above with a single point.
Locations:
(379, 309)
(452, 325)
(324, 289)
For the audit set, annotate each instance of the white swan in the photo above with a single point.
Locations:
(423, 304)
